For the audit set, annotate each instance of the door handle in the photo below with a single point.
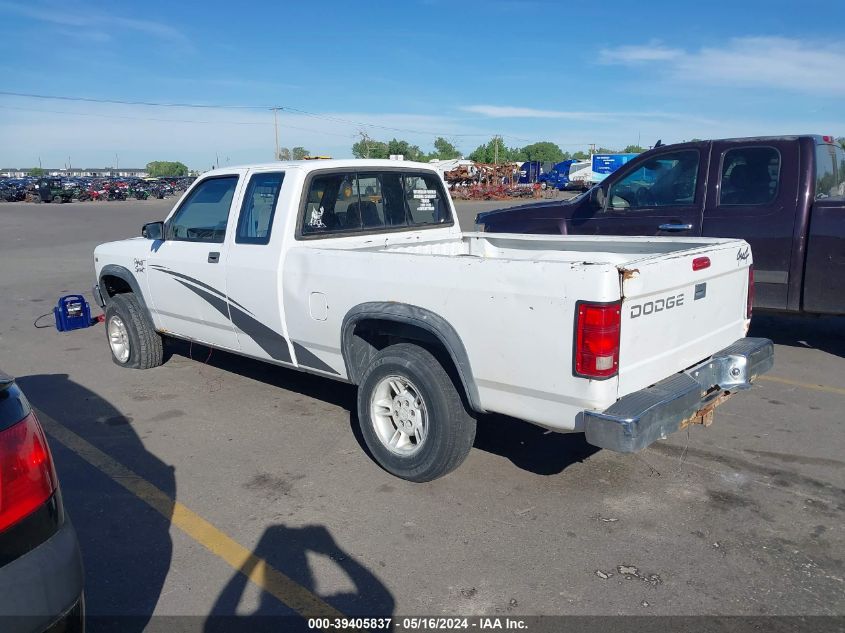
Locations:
(675, 227)
(213, 257)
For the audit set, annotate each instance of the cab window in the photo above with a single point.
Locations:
(203, 215)
(665, 180)
(373, 201)
(370, 206)
(426, 201)
(259, 206)
(328, 202)
(749, 176)
(830, 172)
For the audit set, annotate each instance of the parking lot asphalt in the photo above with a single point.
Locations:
(219, 485)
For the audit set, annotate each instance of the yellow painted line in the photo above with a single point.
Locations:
(803, 385)
(242, 560)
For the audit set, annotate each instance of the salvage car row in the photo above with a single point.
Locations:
(62, 190)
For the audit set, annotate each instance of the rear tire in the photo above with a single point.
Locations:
(417, 395)
(132, 340)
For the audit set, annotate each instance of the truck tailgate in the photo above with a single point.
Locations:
(674, 316)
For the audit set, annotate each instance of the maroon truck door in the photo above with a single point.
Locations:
(824, 276)
(753, 194)
(658, 194)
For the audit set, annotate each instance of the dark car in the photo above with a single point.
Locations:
(40, 563)
(50, 189)
(785, 195)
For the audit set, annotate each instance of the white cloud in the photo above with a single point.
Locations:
(497, 112)
(773, 62)
(520, 112)
(95, 22)
(654, 51)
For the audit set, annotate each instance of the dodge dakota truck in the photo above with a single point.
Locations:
(784, 195)
(358, 271)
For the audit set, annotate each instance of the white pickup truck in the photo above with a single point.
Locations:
(357, 270)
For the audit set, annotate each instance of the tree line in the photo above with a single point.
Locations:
(493, 151)
(371, 148)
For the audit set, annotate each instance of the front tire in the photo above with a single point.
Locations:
(411, 414)
(132, 340)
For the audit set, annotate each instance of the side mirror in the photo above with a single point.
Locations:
(597, 196)
(153, 230)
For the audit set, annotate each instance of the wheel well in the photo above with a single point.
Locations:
(370, 336)
(114, 285)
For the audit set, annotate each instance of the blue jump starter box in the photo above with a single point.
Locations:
(72, 313)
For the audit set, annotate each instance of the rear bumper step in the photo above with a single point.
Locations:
(643, 417)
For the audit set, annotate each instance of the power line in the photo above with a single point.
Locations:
(325, 117)
(143, 103)
(133, 118)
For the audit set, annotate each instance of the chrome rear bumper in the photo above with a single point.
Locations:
(640, 418)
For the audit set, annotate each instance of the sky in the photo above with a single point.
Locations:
(608, 72)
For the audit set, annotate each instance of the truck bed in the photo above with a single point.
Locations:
(616, 251)
(512, 300)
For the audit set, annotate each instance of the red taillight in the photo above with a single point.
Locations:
(27, 476)
(700, 263)
(597, 327)
(750, 302)
(827, 139)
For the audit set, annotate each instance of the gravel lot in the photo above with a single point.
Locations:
(743, 517)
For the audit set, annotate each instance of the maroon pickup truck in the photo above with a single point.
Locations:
(785, 195)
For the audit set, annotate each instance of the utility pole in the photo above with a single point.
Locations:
(496, 150)
(276, 130)
(365, 139)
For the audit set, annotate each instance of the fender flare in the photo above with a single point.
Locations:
(415, 316)
(121, 272)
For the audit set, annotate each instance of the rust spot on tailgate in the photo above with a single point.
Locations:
(629, 273)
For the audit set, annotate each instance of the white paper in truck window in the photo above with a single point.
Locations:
(425, 196)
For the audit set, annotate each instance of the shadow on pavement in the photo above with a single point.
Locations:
(126, 545)
(825, 333)
(298, 553)
(530, 447)
(527, 446)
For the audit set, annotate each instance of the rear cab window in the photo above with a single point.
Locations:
(749, 176)
(830, 172)
(350, 202)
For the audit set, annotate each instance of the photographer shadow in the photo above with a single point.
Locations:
(282, 565)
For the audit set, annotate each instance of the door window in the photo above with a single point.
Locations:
(749, 176)
(256, 219)
(203, 215)
(665, 180)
